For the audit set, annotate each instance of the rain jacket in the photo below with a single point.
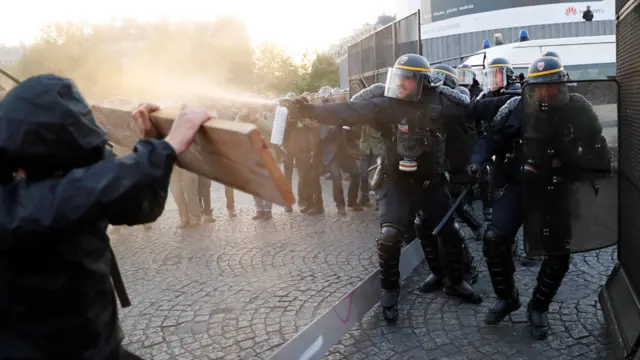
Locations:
(57, 300)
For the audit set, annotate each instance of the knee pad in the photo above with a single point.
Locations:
(389, 236)
(494, 245)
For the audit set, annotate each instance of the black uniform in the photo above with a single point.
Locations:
(412, 129)
(507, 127)
(57, 299)
(500, 76)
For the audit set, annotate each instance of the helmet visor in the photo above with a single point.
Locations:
(466, 77)
(496, 78)
(404, 84)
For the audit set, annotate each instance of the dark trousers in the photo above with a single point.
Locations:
(204, 196)
(366, 161)
(302, 162)
(498, 245)
(348, 165)
(230, 197)
(400, 200)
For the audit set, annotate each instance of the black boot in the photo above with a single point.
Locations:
(431, 284)
(502, 308)
(498, 252)
(552, 272)
(453, 244)
(539, 323)
(464, 291)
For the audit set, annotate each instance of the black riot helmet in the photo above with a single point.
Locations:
(407, 77)
(499, 74)
(444, 74)
(466, 75)
(552, 54)
(543, 73)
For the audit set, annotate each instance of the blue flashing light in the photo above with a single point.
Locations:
(524, 35)
(486, 44)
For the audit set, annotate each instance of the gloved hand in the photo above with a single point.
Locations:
(473, 170)
(298, 109)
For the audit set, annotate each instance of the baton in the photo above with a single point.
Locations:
(450, 212)
(456, 204)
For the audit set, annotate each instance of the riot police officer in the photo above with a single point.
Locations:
(509, 125)
(467, 78)
(499, 76)
(458, 152)
(410, 118)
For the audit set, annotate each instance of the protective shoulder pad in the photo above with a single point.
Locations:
(373, 91)
(483, 94)
(579, 99)
(503, 114)
(454, 96)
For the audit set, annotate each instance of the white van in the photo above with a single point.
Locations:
(584, 58)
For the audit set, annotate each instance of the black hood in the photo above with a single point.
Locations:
(46, 127)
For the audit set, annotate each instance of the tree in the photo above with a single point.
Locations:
(276, 73)
(324, 72)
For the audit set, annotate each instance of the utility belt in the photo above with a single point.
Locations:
(405, 167)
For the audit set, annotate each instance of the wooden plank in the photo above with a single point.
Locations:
(231, 153)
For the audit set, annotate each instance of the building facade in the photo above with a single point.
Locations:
(454, 28)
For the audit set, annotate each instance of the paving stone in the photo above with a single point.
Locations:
(238, 289)
(439, 322)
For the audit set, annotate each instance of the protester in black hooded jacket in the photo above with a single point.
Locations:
(57, 300)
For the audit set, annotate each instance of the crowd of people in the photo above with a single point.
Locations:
(314, 150)
(434, 130)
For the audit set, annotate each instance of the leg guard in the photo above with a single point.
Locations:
(486, 194)
(430, 247)
(470, 269)
(453, 242)
(497, 253)
(389, 247)
(552, 272)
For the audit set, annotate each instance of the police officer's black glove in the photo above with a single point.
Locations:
(473, 170)
(298, 109)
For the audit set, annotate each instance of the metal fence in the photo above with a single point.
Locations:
(370, 57)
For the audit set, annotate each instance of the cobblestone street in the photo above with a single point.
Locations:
(435, 326)
(238, 289)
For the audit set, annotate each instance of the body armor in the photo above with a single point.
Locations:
(416, 150)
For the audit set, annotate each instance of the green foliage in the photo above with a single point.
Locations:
(168, 59)
(324, 72)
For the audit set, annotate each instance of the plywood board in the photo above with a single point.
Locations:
(231, 153)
